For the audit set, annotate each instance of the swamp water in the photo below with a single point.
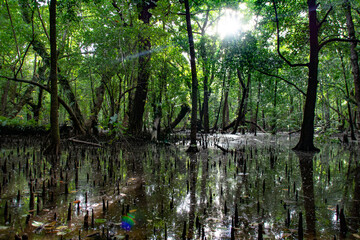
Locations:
(252, 188)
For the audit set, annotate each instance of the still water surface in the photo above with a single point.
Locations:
(236, 186)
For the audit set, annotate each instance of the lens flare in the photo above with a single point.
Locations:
(127, 222)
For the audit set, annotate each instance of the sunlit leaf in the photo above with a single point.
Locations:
(37, 224)
(356, 235)
(3, 227)
(61, 227)
(52, 224)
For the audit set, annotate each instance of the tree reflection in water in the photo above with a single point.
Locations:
(192, 180)
(306, 169)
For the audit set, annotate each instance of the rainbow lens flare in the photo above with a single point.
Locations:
(127, 222)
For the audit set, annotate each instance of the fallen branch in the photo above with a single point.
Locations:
(296, 131)
(222, 149)
(84, 142)
(256, 125)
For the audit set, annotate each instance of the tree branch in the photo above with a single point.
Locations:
(324, 19)
(13, 30)
(240, 78)
(288, 82)
(119, 12)
(23, 60)
(321, 45)
(42, 23)
(278, 42)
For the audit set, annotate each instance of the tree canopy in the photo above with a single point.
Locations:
(124, 66)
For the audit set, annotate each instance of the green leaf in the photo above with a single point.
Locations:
(119, 236)
(100, 220)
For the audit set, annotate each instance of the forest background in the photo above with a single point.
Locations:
(124, 67)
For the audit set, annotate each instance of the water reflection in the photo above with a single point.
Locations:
(306, 169)
(157, 188)
(355, 207)
(192, 179)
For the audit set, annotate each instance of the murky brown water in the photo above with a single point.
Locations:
(157, 191)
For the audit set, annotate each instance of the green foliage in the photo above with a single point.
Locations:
(20, 125)
(98, 44)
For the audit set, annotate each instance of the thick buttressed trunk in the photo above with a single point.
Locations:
(353, 54)
(306, 142)
(54, 147)
(138, 106)
(194, 82)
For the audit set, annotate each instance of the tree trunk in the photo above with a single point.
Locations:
(352, 131)
(40, 49)
(184, 110)
(4, 97)
(306, 142)
(242, 107)
(194, 82)
(219, 109)
(92, 122)
(64, 82)
(206, 80)
(54, 147)
(353, 53)
(273, 124)
(37, 108)
(255, 120)
(225, 112)
(136, 114)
